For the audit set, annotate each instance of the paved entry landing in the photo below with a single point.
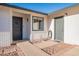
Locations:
(58, 49)
(45, 44)
(31, 50)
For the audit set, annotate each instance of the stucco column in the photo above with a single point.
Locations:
(30, 27)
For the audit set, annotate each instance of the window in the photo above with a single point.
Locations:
(38, 23)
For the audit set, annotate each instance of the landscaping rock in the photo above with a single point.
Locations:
(11, 51)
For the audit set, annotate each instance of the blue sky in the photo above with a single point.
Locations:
(43, 7)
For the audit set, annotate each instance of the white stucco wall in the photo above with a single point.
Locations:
(71, 29)
(51, 27)
(5, 26)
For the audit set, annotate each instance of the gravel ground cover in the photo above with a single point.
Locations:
(11, 51)
(57, 49)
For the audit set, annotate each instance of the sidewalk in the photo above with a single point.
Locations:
(31, 50)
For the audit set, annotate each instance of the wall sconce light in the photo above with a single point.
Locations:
(27, 19)
(66, 14)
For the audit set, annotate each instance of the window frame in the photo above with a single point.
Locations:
(39, 25)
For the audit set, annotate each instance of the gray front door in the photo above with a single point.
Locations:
(59, 29)
(17, 28)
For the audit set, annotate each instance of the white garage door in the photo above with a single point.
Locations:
(59, 29)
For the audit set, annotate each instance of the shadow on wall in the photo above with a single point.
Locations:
(51, 26)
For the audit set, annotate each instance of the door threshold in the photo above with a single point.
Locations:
(59, 41)
(18, 41)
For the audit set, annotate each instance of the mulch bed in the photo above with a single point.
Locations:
(11, 51)
(53, 50)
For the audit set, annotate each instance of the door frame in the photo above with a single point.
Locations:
(55, 29)
(21, 27)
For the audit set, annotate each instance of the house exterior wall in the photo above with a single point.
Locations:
(40, 35)
(5, 26)
(66, 11)
(6, 14)
(71, 29)
(71, 22)
(35, 34)
(51, 27)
